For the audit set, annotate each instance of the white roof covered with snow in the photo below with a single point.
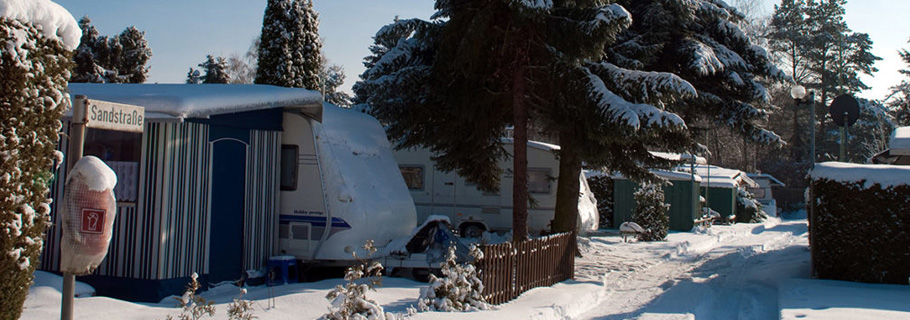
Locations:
(718, 177)
(671, 175)
(678, 157)
(53, 20)
(871, 174)
(535, 144)
(201, 100)
(900, 141)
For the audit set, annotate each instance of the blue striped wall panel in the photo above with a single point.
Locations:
(262, 176)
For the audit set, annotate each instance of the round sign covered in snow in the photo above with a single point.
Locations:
(844, 110)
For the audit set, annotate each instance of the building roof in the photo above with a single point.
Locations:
(718, 177)
(181, 101)
(774, 181)
(900, 141)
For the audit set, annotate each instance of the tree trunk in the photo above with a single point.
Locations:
(568, 185)
(520, 154)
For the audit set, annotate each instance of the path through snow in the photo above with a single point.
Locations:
(732, 275)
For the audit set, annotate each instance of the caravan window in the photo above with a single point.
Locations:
(539, 180)
(289, 154)
(121, 151)
(413, 176)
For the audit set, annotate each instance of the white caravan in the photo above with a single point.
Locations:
(340, 186)
(472, 211)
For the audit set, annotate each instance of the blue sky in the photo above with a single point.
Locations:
(182, 32)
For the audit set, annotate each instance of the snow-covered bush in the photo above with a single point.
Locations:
(194, 307)
(349, 301)
(651, 212)
(459, 288)
(241, 309)
(748, 210)
(34, 68)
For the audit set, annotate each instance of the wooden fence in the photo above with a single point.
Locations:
(507, 270)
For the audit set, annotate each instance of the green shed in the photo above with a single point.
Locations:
(679, 194)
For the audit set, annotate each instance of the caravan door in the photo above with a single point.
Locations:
(443, 194)
(302, 217)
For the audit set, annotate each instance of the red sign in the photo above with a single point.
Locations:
(92, 221)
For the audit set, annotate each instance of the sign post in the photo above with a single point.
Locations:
(100, 115)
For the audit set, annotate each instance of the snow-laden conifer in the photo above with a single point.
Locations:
(215, 70)
(651, 212)
(289, 47)
(459, 288)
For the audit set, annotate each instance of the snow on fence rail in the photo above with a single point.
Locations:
(507, 270)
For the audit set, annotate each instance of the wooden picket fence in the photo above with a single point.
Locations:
(507, 270)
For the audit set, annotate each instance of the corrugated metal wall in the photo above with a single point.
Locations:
(166, 233)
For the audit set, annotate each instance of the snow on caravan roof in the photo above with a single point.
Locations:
(900, 141)
(535, 144)
(200, 100)
(678, 157)
(714, 176)
(55, 21)
(672, 175)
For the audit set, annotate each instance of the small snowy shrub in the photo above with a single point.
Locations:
(241, 309)
(33, 74)
(651, 212)
(349, 301)
(748, 210)
(194, 307)
(460, 289)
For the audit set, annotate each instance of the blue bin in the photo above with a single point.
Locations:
(282, 269)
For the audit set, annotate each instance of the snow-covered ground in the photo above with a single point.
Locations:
(744, 271)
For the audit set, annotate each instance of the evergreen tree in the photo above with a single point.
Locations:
(193, 77)
(215, 70)
(332, 78)
(87, 70)
(134, 55)
(34, 70)
(119, 59)
(651, 212)
(486, 65)
(899, 99)
(289, 48)
(823, 54)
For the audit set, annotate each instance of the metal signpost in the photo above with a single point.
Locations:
(98, 115)
(844, 111)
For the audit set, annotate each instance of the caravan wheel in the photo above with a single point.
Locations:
(472, 230)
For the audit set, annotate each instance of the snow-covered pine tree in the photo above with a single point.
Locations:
(134, 56)
(651, 212)
(87, 70)
(333, 77)
(748, 210)
(193, 77)
(899, 100)
(35, 68)
(700, 41)
(289, 47)
(426, 78)
(215, 70)
(459, 288)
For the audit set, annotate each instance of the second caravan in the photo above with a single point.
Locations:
(472, 211)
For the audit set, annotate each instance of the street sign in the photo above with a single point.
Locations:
(844, 110)
(114, 116)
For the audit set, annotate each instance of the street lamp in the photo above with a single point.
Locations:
(798, 93)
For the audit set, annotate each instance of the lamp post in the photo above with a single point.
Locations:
(799, 94)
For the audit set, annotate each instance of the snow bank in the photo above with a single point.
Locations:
(198, 100)
(835, 300)
(98, 176)
(362, 179)
(51, 18)
(871, 174)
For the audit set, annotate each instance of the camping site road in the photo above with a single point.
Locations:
(725, 272)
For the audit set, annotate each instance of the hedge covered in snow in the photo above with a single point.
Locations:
(35, 39)
(861, 228)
